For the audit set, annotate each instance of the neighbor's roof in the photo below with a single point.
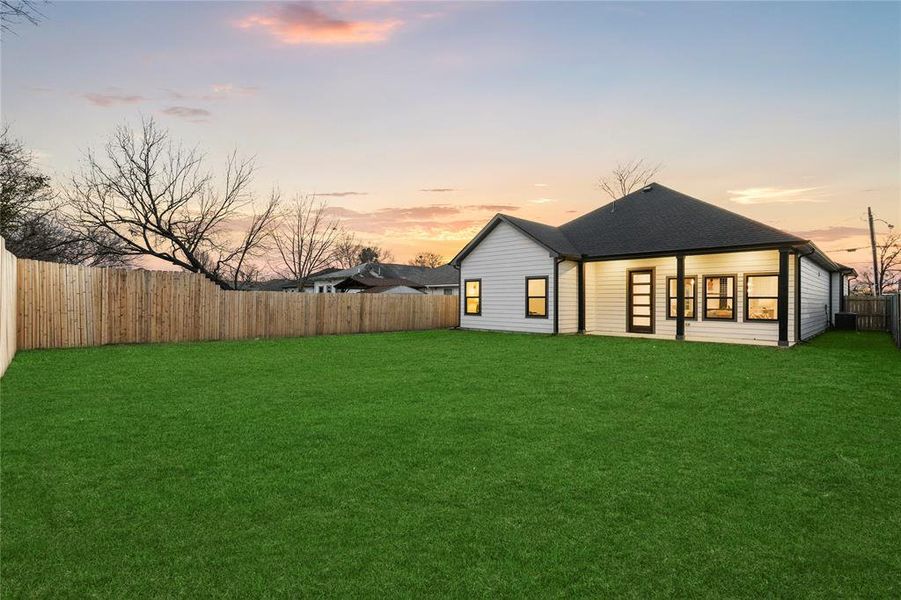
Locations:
(358, 281)
(275, 285)
(387, 288)
(653, 220)
(444, 275)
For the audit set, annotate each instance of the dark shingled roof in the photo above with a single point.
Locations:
(653, 220)
(548, 235)
(360, 282)
(441, 276)
(658, 219)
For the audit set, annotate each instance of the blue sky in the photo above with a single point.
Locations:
(787, 113)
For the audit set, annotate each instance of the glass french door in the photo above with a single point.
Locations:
(640, 318)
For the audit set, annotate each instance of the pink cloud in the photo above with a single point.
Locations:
(432, 222)
(105, 100)
(295, 24)
(830, 234)
(187, 112)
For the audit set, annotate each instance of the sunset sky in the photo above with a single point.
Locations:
(419, 121)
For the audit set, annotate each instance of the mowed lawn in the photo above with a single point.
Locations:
(453, 463)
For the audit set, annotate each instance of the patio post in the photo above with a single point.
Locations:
(782, 302)
(680, 297)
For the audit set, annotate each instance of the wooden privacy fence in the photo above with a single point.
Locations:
(68, 305)
(871, 311)
(893, 314)
(7, 306)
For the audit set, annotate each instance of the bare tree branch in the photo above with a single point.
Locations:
(346, 253)
(888, 259)
(34, 222)
(13, 12)
(151, 197)
(627, 177)
(428, 259)
(305, 239)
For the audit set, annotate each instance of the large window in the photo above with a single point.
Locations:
(762, 297)
(719, 297)
(691, 284)
(473, 300)
(536, 297)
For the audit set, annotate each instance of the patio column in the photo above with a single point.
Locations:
(680, 298)
(581, 296)
(782, 302)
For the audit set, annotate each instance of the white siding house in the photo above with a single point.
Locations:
(606, 283)
(568, 296)
(815, 299)
(501, 263)
(615, 271)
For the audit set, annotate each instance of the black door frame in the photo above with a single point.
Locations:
(630, 327)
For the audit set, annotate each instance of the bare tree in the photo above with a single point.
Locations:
(346, 253)
(155, 198)
(627, 177)
(305, 239)
(888, 261)
(375, 254)
(13, 12)
(32, 220)
(427, 259)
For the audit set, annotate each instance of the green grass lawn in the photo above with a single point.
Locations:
(453, 463)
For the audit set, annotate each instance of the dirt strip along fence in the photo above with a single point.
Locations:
(63, 306)
(7, 306)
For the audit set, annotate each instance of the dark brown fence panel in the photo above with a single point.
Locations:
(871, 312)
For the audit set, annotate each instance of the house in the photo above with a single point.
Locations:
(290, 285)
(378, 285)
(616, 271)
(440, 281)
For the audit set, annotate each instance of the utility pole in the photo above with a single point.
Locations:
(876, 282)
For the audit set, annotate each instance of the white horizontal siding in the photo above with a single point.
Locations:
(815, 285)
(568, 297)
(605, 293)
(502, 261)
(835, 282)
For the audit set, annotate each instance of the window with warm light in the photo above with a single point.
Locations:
(762, 297)
(719, 297)
(672, 297)
(536, 297)
(472, 304)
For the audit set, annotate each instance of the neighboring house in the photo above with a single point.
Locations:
(614, 271)
(441, 281)
(290, 285)
(378, 285)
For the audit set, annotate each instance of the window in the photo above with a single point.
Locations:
(448, 292)
(762, 297)
(536, 297)
(473, 300)
(691, 284)
(719, 297)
